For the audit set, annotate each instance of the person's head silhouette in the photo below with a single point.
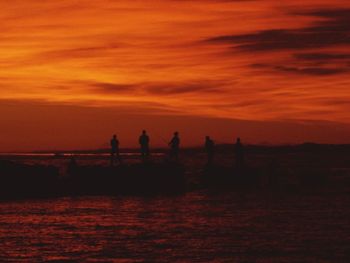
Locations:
(144, 132)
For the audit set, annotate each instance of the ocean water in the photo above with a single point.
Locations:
(195, 227)
(198, 226)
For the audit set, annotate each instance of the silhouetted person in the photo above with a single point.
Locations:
(175, 146)
(239, 152)
(209, 148)
(115, 155)
(144, 145)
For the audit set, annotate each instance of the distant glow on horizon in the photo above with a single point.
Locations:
(275, 61)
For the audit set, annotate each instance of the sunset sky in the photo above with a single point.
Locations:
(74, 72)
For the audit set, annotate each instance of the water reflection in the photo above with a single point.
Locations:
(196, 227)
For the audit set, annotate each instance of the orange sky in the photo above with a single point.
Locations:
(74, 72)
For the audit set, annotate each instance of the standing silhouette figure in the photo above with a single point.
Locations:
(209, 148)
(144, 145)
(174, 147)
(239, 152)
(115, 156)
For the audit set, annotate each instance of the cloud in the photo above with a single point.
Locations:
(322, 57)
(312, 70)
(315, 71)
(77, 53)
(334, 30)
(159, 88)
(183, 88)
(305, 49)
(111, 88)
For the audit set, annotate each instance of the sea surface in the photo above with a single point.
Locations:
(198, 226)
(195, 227)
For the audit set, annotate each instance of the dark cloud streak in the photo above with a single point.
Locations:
(333, 31)
(162, 89)
(310, 70)
(322, 56)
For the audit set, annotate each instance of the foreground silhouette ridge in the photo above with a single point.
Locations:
(72, 166)
(159, 176)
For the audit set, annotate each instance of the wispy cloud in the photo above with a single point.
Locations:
(333, 30)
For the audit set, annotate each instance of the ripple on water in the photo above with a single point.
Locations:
(196, 227)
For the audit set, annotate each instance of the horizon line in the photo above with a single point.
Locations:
(127, 150)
